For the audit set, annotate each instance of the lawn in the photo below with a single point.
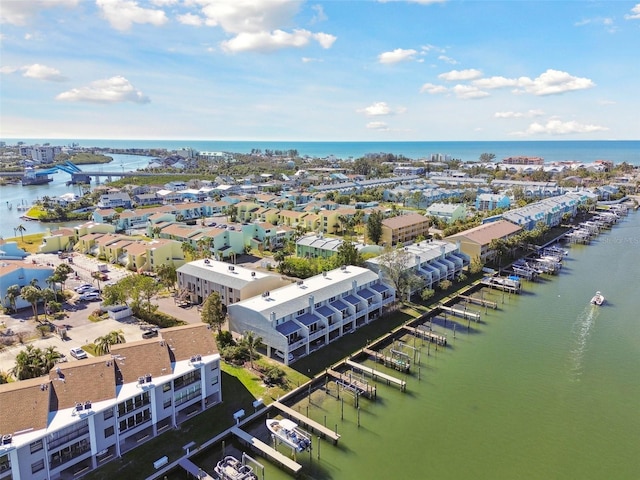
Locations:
(29, 243)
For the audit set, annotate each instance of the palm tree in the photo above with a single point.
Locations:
(252, 342)
(48, 295)
(21, 228)
(32, 295)
(156, 231)
(33, 362)
(5, 377)
(13, 292)
(103, 344)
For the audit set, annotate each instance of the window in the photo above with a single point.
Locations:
(214, 380)
(36, 446)
(36, 467)
(108, 414)
(109, 431)
(167, 403)
(166, 387)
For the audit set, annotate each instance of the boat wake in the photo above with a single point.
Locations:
(581, 331)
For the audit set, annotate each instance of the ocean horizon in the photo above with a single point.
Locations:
(617, 151)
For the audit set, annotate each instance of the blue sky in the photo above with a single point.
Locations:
(363, 70)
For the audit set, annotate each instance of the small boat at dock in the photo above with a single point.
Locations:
(230, 468)
(290, 434)
(597, 299)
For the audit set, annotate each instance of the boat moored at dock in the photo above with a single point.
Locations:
(288, 432)
(230, 468)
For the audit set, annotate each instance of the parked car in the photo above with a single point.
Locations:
(78, 353)
(82, 288)
(90, 297)
(281, 355)
(150, 333)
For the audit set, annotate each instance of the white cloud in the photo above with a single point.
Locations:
(42, 72)
(190, 19)
(257, 25)
(448, 60)
(320, 16)
(111, 90)
(433, 89)
(36, 71)
(270, 41)
(527, 114)
(469, 92)
(495, 82)
(122, 14)
(19, 12)
(397, 55)
(635, 13)
(458, 75)
(311, 60)
(377, 126)
(376, 109)
(557, 127)
(551, 82)
(164, 3)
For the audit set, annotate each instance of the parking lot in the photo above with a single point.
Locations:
(80, 330)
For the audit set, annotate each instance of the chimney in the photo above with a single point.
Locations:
(442, 248)
(272, 316)
(311, 304)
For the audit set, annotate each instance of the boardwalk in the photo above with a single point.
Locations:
(272, 453)
(311, 424)
(423, 332)
(377, 374)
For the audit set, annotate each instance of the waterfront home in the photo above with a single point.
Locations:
(309, 314)
(144, 199)
(485, 202)
(475, 242)
(431, 260)
(11, 251)
(548, 211)
(21, 273)
(114, 200)
(197, 280)
(404, 228)
(61, 239)
(449, 212)
(86, 413)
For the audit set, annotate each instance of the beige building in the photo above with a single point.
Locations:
(199, 279)
(475, 242)
(404, 228)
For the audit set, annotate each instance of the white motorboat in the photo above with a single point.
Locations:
(230, 468)
(290, 434)
(598, 299)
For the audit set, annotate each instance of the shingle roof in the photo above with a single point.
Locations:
(29, 405)
(404, 220)
(189, 340)
(92, 380)
(141, 358)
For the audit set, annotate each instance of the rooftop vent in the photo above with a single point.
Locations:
(206, 261)
(300, 283)
(265, 294)
(231, 268)
(253, 274)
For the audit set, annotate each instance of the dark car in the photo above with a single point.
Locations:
(150, 333)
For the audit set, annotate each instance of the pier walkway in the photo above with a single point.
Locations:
(194, 470)
(311, 424)
(422, 331)
(463, 313)
(400, 362)
(377, 374)
(348, 382)
(275, 455)
(479, 301)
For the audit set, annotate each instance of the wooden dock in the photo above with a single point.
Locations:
(400, 362)
(311, 424)
(425, 333)
(479, 301)
(190, 467)
(461, 312)
(272, 453)
(501, 283)
(348, 382)
(377, 374)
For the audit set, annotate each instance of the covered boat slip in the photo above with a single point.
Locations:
(313, 425)
(377, 374)
(272, 453)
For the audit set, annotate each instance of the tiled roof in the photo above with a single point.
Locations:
(404, 220)
(141, 358)
(189, 340)
(92, 380)
(29, 402)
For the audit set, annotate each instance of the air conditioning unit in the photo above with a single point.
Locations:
(299, 282)
(79, 407)
(231, 268)
(148, 378)
(253, 274)
(87, 405)
(6, 439)
(140, 380)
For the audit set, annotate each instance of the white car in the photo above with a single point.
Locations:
(78, 353)
(90, 297)
(83, 288)
(281, 355)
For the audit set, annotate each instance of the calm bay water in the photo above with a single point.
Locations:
(545, 387)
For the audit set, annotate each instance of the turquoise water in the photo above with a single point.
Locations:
(551, 151)
(545, 387)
